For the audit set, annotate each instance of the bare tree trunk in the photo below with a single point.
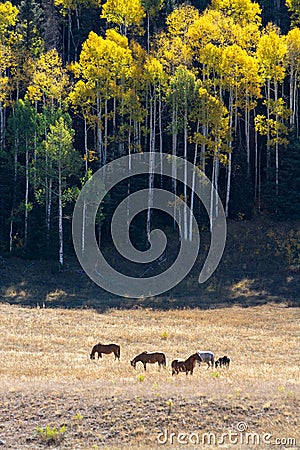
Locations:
(105, 132)
(268, 133)
(160, 135)
(228, 186)
(255, 162)
(151, 160)
(193, 188)
(276, 146)
(185, 143)
(213, 175)
(247, 134)
(15, 193)
(60, 218)
(99, 131)
(26, 193)
(174, 152)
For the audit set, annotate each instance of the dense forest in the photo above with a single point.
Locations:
(83, 82)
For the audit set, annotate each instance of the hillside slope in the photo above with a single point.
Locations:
(261, 264)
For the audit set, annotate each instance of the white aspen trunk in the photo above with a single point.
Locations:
(69, 36)
(2, 125)
(99, 143)
(203, 149)
(292, 97)
(146, 119)
(217, 169)
(86, 150)
(174, 153)
(148, 33)
(247, 133)
(228, 185)
(114, 115)
(296, 103)
(160, 135)
(129, 170)
(151, 161)
(26, 193)
(140, 136)
(11, 233)
(212, 196)
(268, 133)
(49, 208)
(276, 145)
(193, 189)
(255, 162)
(35, 144)
(83, 228)
(185, 138)
(60, 217)
(15, 193)
(105, 132)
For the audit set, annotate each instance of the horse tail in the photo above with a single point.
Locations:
(164, 362)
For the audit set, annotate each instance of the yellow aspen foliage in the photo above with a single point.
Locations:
(212, 113)
(240, 72)
(50, 80)
(293, 47)
(242, 11)
(8, 17)
(179, 21)
(67, 5)
(294, 7)
(271, 54)
(154, 70)
(125, 14)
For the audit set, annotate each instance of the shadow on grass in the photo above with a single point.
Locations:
(254, 270)
(39, 284)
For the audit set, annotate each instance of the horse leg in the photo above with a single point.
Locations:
(144, 366)
(99, 355)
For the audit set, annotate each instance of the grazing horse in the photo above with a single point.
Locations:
(224, 361)
(178, 366)
(187, 365)
(207, 357)
(105, 348)
(151, 358)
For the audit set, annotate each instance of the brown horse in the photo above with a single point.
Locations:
(185, 366)
(105, 348)
(151, 358)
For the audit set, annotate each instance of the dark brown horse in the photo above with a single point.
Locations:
(145, 357)
(105, 348)
(224, 361)
(185, 366)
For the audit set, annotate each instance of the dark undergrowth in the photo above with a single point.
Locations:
(260, 264)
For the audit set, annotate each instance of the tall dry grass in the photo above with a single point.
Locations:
(47, 350)
(54, 345)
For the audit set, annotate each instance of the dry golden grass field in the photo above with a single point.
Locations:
(48, 380)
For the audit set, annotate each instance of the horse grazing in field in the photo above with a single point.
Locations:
(224, 361)
(207, 357)
(105, 348)
(145, 357)
(187, 365)
(178, 366)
